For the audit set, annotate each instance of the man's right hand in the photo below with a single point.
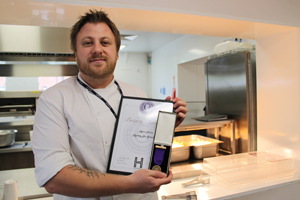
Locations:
(145, 180)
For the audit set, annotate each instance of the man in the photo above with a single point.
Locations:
(75, 120)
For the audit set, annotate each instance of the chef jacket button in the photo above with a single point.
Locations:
(105, 142)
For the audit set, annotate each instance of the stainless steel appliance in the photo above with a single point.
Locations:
(40, 51)
(231, 90)
(17, 109)
(24, 64)
(7, 137)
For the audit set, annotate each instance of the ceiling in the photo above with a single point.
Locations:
(56, 39)
(147, 41)
(159, 22)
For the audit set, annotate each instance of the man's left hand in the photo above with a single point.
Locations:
(180, 109)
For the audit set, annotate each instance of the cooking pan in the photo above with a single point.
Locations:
(7, 137)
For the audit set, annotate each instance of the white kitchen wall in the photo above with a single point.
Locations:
(133, 68)
(166, 59)
(21, 83)
(191, 79)
(278, 77)
(174, 59)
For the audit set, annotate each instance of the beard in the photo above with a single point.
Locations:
(98, 70)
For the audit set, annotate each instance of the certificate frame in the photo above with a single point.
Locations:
(134, 133)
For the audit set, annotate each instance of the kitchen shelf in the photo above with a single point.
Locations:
(18, 146)
(190, 125)
(17, 123)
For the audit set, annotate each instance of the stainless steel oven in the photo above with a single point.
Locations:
(17, 109)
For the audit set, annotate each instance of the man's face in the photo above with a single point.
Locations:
(96, 52)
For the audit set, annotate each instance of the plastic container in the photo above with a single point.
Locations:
(231, 45)
(240, 170)
(245, 45)
(226, 46)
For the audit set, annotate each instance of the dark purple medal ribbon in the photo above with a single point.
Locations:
(158, 156)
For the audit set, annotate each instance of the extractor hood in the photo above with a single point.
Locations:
(29, 51)
(37, 64)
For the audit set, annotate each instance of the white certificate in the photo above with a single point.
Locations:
(134, 133)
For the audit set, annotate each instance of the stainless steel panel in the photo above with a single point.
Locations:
(19, 94)
(37, 58)
(28, 70)
(231, 90)
(34, 39)
(252, 117)
(226, 82)
(38, 51)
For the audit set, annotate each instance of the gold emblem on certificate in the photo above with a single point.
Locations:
(156, 168)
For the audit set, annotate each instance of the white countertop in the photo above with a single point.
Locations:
(277, 188)
(28, 189)
(27, 186)
(214, 191)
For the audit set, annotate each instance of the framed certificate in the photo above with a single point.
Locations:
(134, 134)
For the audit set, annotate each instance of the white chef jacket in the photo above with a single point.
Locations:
(74, 127)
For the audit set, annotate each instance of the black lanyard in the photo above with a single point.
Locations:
(101, 98)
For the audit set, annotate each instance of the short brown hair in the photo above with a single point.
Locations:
(94, 16)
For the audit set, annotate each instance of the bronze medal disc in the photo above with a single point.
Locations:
(156, 168)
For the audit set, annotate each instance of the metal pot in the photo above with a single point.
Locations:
(7, 137)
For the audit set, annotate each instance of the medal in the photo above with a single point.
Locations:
(156, 168)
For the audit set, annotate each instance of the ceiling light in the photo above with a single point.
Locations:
(197, 51)
(128, 37)
(122, 46)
